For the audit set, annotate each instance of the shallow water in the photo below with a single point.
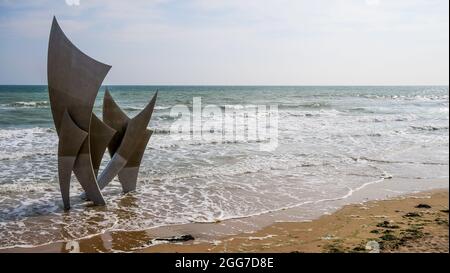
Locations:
(332, 141)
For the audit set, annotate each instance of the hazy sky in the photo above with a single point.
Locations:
(232, 42)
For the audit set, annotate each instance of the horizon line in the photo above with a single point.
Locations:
(249, 85)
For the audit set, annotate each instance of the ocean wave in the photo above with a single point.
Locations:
(429, 128)
(384, 161)
(217, 142)
(162, 107)
(136, 108)
(25, 143)
(302, 114)
(281, 106)
(19, 132)
(29, 104)
(312, 105)
(361, 110)
(367, 135)
(405, 97)
(205, 117)
(131, 108)
(393, 118)
(258, 165)
(25, 155)
(165, 117)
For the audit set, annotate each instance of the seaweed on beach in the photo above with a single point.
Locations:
(387, 224)
(335, 247)
(177, 239)
(412, 215)
(441, 221)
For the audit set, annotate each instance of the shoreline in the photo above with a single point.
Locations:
(262, 232)
(411, 223)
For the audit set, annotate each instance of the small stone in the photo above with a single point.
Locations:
(412, 214)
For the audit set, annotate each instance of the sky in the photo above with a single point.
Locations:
(235, 42)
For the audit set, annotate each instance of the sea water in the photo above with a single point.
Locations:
(331, 142)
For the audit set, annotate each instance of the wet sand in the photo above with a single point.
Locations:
(413, 223)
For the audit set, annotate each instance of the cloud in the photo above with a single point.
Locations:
(73, 2)
(373, 2)
(243, 42)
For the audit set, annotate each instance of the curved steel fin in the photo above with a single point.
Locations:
(129, 174)
(71, 137)
(74, 79)
(100, 136)
(136, 128)
(114, 117)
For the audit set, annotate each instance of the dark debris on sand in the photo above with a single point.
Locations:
(423, 206)
(387, 224)
(412, 214)
(177, 239)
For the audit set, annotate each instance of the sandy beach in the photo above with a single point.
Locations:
(412, 223)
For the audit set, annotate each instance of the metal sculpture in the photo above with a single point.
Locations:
(73, 83)
(128, 145)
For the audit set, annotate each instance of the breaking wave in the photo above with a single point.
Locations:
(28, 104)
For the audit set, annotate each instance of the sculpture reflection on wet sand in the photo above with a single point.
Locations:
(74, 80)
